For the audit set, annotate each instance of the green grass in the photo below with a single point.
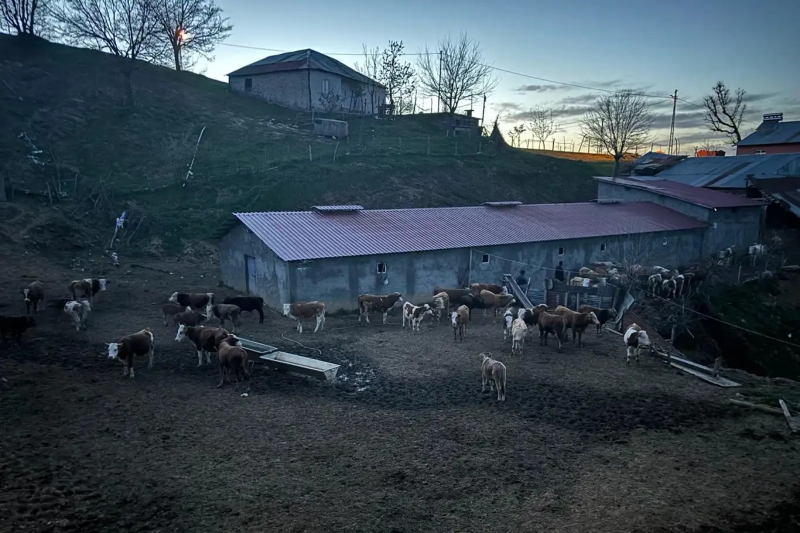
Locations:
(253, 156)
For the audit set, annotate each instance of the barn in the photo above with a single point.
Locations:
(335, 253)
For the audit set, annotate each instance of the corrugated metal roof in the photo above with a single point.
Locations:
(728, 172)
(688, 193)
(785, 190)
(773, 132)
(302, 60)
(301, 235)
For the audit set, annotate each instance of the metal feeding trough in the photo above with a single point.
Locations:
(289, 362)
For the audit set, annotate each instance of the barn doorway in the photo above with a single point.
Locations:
(250, 274)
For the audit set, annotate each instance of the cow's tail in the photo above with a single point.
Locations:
(362, 307)
(501, 378)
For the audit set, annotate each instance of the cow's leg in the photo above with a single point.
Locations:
(299, 326)
(221, 375)
(628, 356)
(208, 357)
(130, 364)
(385, 316)
(319, 321)
(165, 320)
(124, 368)
(199, 357)
(483, 380)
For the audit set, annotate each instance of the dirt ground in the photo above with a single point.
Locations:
(403, 442)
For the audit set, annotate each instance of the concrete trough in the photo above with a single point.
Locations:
(289, 362)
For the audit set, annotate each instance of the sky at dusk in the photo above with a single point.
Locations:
(653, 47)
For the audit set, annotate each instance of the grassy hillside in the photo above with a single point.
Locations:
(101, 156)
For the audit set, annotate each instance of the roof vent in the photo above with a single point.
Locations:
(337, 208)
(502, 204)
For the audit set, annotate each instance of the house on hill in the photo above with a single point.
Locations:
(308, 80)
(773, 136)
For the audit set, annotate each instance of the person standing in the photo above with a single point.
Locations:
(522, 281)
(559, 275)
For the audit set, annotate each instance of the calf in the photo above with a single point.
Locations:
(78, 312)
(301, 310)
(368, 303)
(459, 319)
(189, 318)
(668, 287)
(86, 288)
(679, 280)
(518, 331)
(131, 346)
(171, 309)
(441, 302)
(508, 321)
(603, 315)
(576, 321)
(232, 357)
(205, 340)
(654, 282)
(414, 314)
(755, 251)
(495, 302)
(15, 326)
(494, 373)
(528, 316)
(224, 312)
(248, 304)
(476, 288)
(549, 324)
(195, 301)
(635, 339)
(34, 293)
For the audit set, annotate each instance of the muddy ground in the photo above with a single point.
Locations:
(403, 442)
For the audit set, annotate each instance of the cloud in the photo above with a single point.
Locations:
(541, 88)
(685, 120)
(759, 97)
(580, 99)
(507, 106)
(601, 84)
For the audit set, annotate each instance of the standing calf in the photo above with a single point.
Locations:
(131, 346)
(248, 304)
(495, 302)
(15, 326)
(368, 303)
(518, 331)
(414, 314)
(301, 310)
(232, 357)
(459, 319)
(635, 339)
(577, 322)
(603, 315)
(494, 373)
(224, 312)
(171, 309)
(441, 302)
(205, 340)
(549, 324)
(34, 293)
(78, 312)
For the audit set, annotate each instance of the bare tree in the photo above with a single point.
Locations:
(619, 121)
(456, 72)
(331, 100)
(124, 28)
(371, 69)
(541, 124)
(22, 16)
(723, 113)
(191, 26)
(516, 133)
(395, 74)
(709, 145)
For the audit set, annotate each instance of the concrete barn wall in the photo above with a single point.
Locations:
(788, 148)
(339, 281)
(288, 89)
(630, 194)
(272, 280)
(345, 88)
(738, 225)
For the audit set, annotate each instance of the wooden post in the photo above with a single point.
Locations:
(310, 157)
(428, 151)
(335, 150)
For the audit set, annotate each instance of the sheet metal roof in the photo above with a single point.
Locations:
(728, 172)
(786, 190)
(773, 132)
(688, 193)
(301, 235)
(302, 60)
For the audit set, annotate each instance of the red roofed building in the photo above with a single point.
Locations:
(773, 136)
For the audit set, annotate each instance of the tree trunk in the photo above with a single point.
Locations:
(616, 165)
(176, 51)
(127, 74)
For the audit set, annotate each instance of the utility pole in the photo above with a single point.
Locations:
(672, 124)
(483, 112)
(438, 105)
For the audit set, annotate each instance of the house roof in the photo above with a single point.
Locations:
(773, 132)
(688, 193)
(728, 172)
(302, 235)
(785, 190)
(307, 59)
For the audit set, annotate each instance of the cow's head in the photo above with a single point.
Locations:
(287, 309)
(454, 318)
(181, 333)
(233, 340)
(86, 305)
(174, 297)
(593, 318)
(209, 309)
(102, 282)
(113, 349)
(27, 293)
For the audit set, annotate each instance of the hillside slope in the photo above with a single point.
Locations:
(64, 125)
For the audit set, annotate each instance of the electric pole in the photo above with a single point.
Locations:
(672, 124)
(438, 105)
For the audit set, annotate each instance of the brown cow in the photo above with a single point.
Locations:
(301, 310)
(441, 303)
(195, 300)
(368, 303)
(549, 324)
(603, 315)
(476, 288)
(171, 309)
(576, 321)
(493, 373)
(131, 346)
(34, 293)
(224, 312)
(459, 319)
(414, 314)
(232, 357)
(86, 288)
(189, 318)
(205, 340)
(495, 302)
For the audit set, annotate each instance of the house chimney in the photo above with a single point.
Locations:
(469, 112)
(776, 117)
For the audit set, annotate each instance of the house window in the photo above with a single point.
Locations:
(248, 85)
(560, 250)
(761, 152)
(381, 268)
(485, 258)
(326, 86)
(602, 247)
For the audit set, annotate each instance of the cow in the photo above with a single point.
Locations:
(232, 357)
(755, 251)
(441, 302)
(86, 288)
(131, 346)
(508, 319)
(189, 318)
(34, 293)
(15, 326)
(603, 315)
(367, 303)
(476, 288)
(248, 304)
(171, 309)
(205, 340)
(494, 373)
(459, 297)
(414, 314)
(195, 301)
(78, 312)
(459, 319)
(224, 312)
(518, 331)
(495, 302)
(299, 311)
(635, 339)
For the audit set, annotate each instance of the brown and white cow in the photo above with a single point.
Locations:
(441, 303)
(205, 340)
(476, 288)
(232, 358)
(195, 301)
(171, 309)
(189, 318)
(495, 302)
(87, 288)
(34, 293)
(458, 319)
(131, 346)
(299, 311)
(635, 339)
(414, 314)
(368, 303)
(78, 312)
(223, 312)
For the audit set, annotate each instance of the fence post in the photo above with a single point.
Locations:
(335, 150)
(428, 151)
(310, 157)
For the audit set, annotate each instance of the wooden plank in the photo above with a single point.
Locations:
(756, 406)
(719, 381)
(793, 424)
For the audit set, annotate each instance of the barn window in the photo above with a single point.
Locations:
(602, 247)
(248, 85)
(485, 258)
(381, 268)
(560, 250)
(326, 86)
